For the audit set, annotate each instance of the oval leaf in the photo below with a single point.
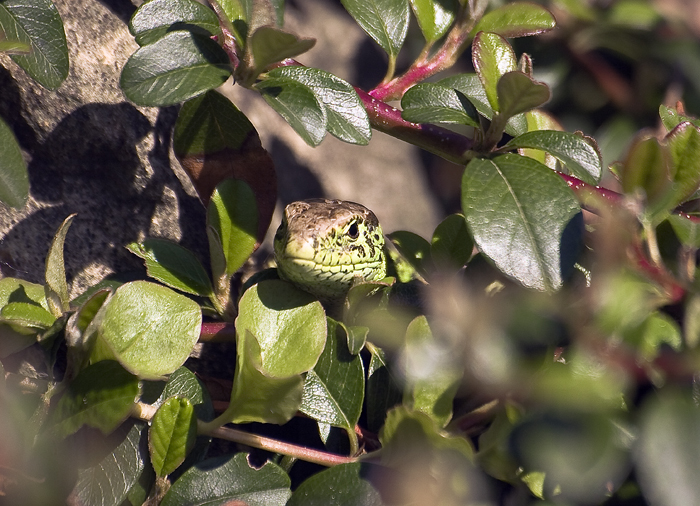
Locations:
(173, 265)
(684, 144)
(524, 218)
(492, 57)
(343, 484)
(14, 180)
(37, 23)
(171, 435)
(269, 44)
(148, 328)
(101, 396)
(154, 19)
(386, 21)
(434, 103)
(214, 141)
(334, 389)
(516, 19)
(233, 215)
(346, 115)
(579, 156)
(518, 93)
(298, 105)
(451, 244)
(434, 18)
(176, 67)
(230, 480)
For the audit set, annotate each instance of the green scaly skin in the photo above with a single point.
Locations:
(324, 246)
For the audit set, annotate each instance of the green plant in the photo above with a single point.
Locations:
(559, 361)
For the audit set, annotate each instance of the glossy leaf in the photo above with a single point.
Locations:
(383, 391)
(345, 114)
(451, 245)
(492, 57)
(516, 19)
(269, 44)
(26, 314)
(14, 336)
(37, 23)
(148, 328)
(386, 21)
(107, 481)
(214, 141)
(342, 484)
(579, 156)
(14, 180)
(334, 388)
(470, 86)
(434, 103)
(524, 218)
(101, 396)
(172, 434)
(298, 105)
(671, 118)
(173, 265)
(280, 334)
(156, 18)
(230, 479)
(684, 145)
(233, 215)
(56, 286)
(434, 18)
(178, 66)
(518, 93)
(432, 377)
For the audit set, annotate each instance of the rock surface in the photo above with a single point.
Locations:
(93, 153)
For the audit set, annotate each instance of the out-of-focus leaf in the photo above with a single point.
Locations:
(451, 245)
(684, 145)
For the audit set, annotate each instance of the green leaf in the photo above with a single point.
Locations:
(665, 455)
(657, 330)
(178, 66)
(233, 215)
(298, 105)
(15, 336)
(492, 57)
(646, 168)
(343, 484)
(81, 328)
(434, 18)
(209, 123)
(27, 315)
(37, 23)
(357, 337)
(432, 375)
(414, 252)
(451, 245)
(386, 21)
(516, 19)
(524, 218)
(15, 47)
(156, 18)
(435, 103)
(101, 396)
(573, 150)
(148, 328)
(634, 14)
(345, 114)
(687, 229)
(56, 286)
(518, 93)
(269, 44)
(470, 86)
(334, 389)
(172, 434)
(280, 334)
(109, 476)
(383, 391)
(173, 265)
(684, 145)
(230, 479)
(14, 180)
(671, 118)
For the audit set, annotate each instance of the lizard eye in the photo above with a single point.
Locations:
(354, 230)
